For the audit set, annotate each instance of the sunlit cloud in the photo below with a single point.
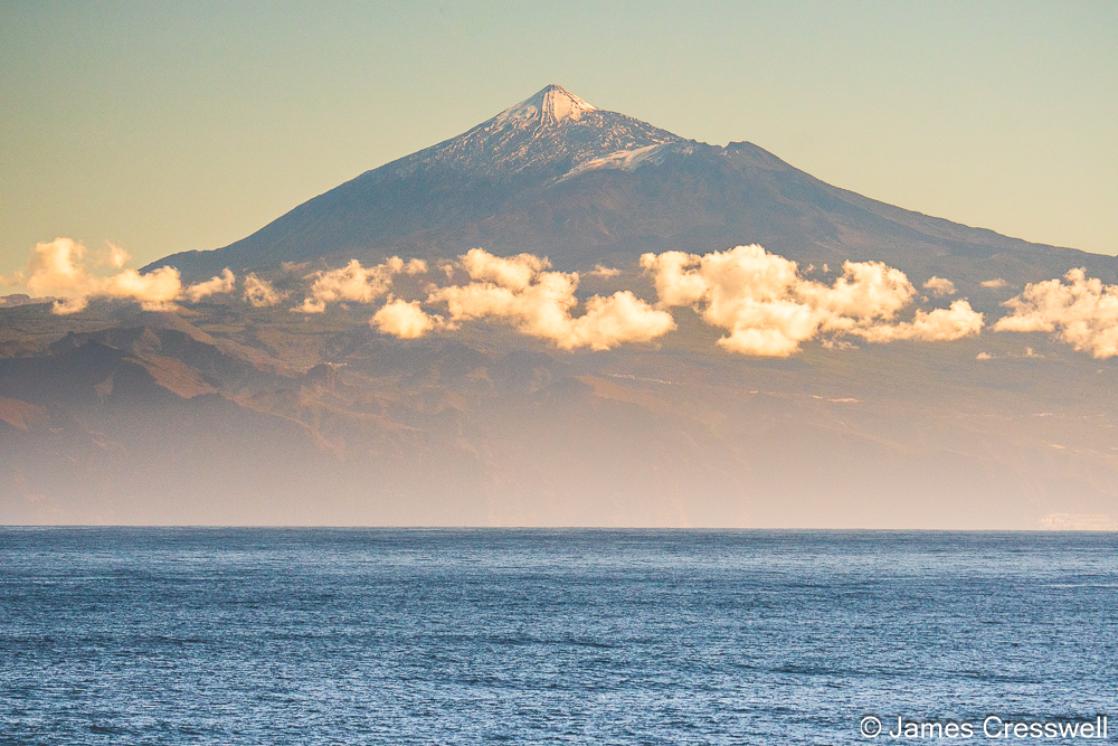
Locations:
(769, 309)
(939, 286)
(259, 293)
(61, 270)
(762, 301)
(404, 319)
(1080, 310)
(994, 284)
(956, 321)
(521, 291)
(356, 283)
(219, 285)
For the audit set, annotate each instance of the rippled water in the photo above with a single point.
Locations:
(415, 636)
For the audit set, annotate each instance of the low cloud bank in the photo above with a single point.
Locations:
(769, 309)
(63, 269)
(1080, 310)
(765, 305)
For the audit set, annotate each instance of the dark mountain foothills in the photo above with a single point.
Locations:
(225, 414)
(555, 176)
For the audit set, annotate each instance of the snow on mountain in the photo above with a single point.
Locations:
(551, 130)
(622, 160)
(550, 106)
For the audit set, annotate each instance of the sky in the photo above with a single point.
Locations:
(169, 126)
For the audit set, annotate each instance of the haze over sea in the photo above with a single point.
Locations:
(149, 635)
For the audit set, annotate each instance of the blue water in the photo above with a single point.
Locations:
(436, 637)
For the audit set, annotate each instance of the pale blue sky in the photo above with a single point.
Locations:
(169, 126)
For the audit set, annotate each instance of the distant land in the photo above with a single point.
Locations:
(219, 411)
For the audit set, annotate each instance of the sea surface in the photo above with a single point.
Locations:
(316, 636)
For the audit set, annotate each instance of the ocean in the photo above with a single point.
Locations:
(387, 636)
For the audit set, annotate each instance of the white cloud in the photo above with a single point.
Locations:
(995, 283)
(218, 285)
(939, 286)
(356, 283)
(614, 320)
(603, 271)
(763, 302)
(957, 321)
(404, 319)
(1080, 310)
(259, 293)
(521, 291)
(60, 269)
(513, 272)
(117, 257)
(155, 291)
(769, 309)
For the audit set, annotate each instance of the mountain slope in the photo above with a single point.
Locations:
(557, 176)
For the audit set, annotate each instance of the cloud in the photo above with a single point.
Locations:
(259, 293)
(939, 286)
(117, 257)
(521, 291)
(984, 356)
(154, 291)
(404, 319)
(769, 309)
(59, 269)
(1080, 310)
(957, 321)
(603, 271)
(356, 283)
(995, 283)
(763, 302)
(614, 320)
(515, 273)
(219, 285)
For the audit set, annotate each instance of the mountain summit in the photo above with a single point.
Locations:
(556, 175)
(550, 106)
(548, 134)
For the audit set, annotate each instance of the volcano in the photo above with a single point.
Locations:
(558, 176)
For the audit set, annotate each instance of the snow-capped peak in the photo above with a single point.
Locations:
(553, 130)
(552, 105)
